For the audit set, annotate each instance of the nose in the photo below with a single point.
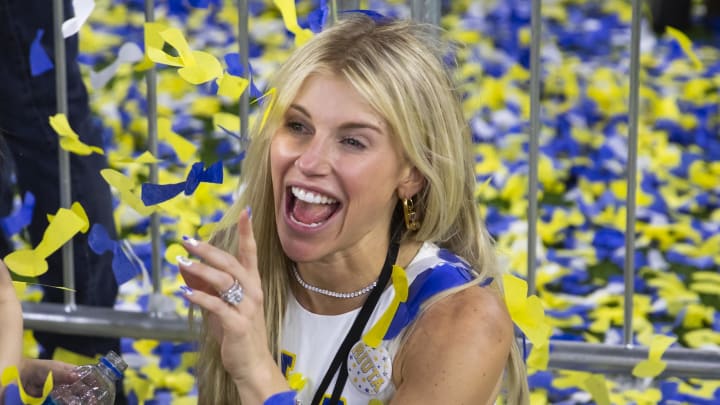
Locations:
(314, 158)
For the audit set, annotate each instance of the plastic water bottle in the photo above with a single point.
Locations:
(96, 385)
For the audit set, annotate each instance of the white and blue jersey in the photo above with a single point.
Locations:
(310, 341)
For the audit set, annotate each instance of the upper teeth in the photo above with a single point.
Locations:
(310, 197)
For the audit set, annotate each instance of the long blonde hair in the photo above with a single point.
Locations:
(397, 67)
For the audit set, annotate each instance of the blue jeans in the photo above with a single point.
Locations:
(31, 148)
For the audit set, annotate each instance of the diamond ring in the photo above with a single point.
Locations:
(234, 294)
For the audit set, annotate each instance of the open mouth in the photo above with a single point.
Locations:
(310, 209)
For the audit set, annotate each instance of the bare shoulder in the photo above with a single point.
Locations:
(475, 310)
(457, 350)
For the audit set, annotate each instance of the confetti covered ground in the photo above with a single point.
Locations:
(583, 144)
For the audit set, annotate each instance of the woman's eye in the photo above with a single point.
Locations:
(353, 142)
(295, 127)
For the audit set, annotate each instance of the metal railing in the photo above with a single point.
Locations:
(156, 324)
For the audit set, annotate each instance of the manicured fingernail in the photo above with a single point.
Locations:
(186, 290)
(191, 241)
(183, 260)
(249, 211)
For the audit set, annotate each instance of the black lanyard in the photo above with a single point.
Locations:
(355, 333)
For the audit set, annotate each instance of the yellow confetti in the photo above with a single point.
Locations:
(375, 335)
(270, 93)
(11, 374)
(597, 387)
(180, 382)
(206, 230)
(686, 46)
(232, 86)
(229, 121)
(78, 209)
(126, 188)
(289, 15)
(173, 251)
(144, 158)
(69, 139)
(70, 357)
(183, 148)
(529, 315)
(145, 346)
(594, 384)
(653, 366)
(297, 381)
(31, 262)
(196, 67)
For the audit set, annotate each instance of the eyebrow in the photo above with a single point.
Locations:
(347, 125)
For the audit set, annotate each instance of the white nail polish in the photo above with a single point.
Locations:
(191, 241)
(184, 260)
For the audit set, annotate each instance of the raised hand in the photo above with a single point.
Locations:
(228, 288)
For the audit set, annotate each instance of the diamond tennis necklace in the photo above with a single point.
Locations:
(333, 294)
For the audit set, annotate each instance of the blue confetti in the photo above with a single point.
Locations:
(100, 242)
(39, 60)
(156, 193)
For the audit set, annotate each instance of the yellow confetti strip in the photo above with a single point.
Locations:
(686, 46)
(529, 315)
(289, 15)
(12, 375)
(272, 94)
(31, 262)
(144, 158)
(653, 366)
(375, 335)
(232, 86)
(196, 67)
(69, 139)
(173, 251)
(297, 381)
(229, 121)
(183, 148)
(594, 384)
(70, 357)
(126, 189)
(78, 209)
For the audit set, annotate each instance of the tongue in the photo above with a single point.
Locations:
(309, 213)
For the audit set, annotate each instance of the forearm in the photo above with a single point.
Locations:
(264, 382)
(11, 333)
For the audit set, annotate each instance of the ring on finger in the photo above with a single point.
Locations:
(234, 294)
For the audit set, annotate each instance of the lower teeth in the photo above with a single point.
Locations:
(313, 225)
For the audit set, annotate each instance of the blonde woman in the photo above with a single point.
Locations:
(365, 275)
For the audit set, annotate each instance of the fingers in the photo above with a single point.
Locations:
(226, 314)
(243, 267)
(34, 372)
(215, 258)
(246, 249)
(202, 277)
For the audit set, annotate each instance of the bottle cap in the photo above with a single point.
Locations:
(114, 362)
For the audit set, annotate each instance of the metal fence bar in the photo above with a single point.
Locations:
(68, 261)
(534, 143)
(106, 322)
(332, 11)
(349, 4)
(244, 49)
(599, 358)
(629, 270)
(619, 359)
(426, 11)
(151, 83)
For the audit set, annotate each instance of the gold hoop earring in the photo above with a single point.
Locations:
(411, 219)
